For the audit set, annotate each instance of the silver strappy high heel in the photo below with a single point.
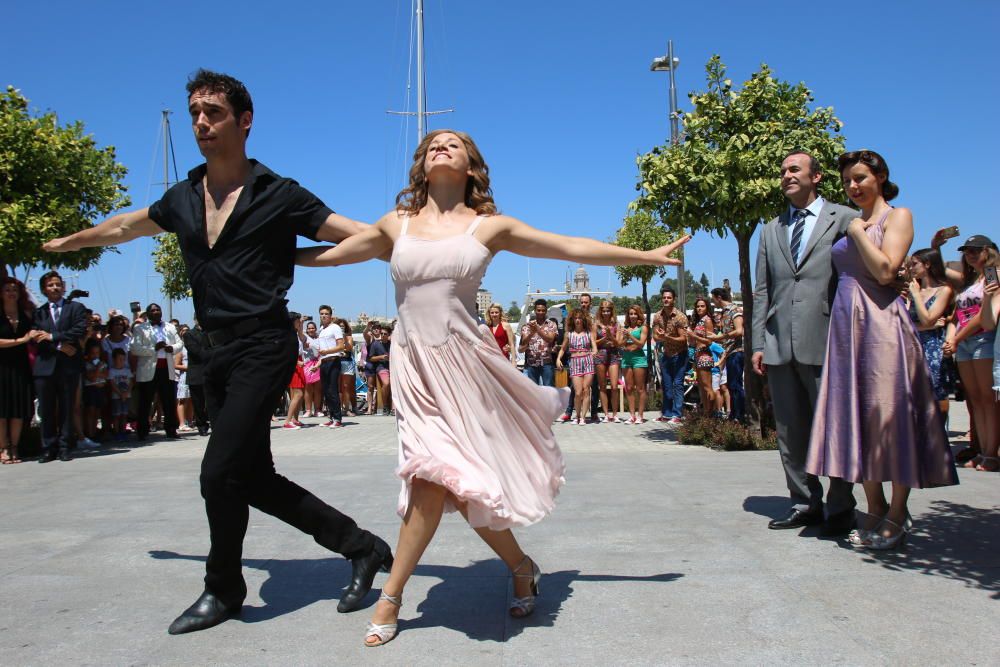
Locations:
(521, 607)
(387, 631)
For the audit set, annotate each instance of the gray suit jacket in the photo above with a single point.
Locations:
(791, 305)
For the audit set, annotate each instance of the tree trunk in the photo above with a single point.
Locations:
(758, 409)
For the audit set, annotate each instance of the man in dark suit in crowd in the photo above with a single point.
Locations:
(59, 327)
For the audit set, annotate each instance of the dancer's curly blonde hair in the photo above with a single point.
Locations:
(478, 195)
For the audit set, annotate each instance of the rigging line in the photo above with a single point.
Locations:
(149, 186)
(388, 105)
(173, 155)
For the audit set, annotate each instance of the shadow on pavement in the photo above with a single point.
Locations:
(457, 602)
(950, 540)
(440, 608)
(771, 507)
(661, 434)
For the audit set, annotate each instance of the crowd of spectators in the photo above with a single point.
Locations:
(94, 381)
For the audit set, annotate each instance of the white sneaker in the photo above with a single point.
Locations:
(87, 443)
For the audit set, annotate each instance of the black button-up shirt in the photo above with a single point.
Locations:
(248, 271)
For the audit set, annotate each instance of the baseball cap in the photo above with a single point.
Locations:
(977, 241)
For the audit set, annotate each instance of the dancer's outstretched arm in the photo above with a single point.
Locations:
(117, 229)
(517, 237)
(368, 244)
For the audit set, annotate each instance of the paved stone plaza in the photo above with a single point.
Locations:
(656, 554)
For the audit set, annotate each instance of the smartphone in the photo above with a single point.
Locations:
(990, 272)
(134, 306)
(949, 233)
(307, 318)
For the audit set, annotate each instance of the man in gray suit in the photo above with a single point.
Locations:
(796, 283)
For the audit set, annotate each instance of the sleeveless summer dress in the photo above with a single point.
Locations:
(877, 417)
(467, 419)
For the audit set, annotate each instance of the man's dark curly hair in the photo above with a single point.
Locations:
(236, 93)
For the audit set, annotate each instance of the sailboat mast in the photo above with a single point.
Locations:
(166, 183)
(421, 82)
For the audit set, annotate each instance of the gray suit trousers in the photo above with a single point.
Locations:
(794, 388)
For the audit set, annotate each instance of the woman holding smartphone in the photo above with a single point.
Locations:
(973, 347)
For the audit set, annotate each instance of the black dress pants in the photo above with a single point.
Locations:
(244, 380)
(165, 389)
(329, 375)
(56, 404)
(200, 408)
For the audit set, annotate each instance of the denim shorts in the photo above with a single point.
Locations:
(976, 347)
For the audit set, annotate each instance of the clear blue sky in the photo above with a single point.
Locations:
(558, 95)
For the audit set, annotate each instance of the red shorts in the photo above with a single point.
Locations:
(298, 380)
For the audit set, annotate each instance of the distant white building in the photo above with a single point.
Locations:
(483, 300)
(579, 284)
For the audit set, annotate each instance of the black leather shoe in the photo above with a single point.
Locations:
(796, 519)
(365, 568)
(45, 457)
(206, 612)
(839, 524)
(64, 455)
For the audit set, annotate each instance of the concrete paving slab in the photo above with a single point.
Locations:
(657, 554)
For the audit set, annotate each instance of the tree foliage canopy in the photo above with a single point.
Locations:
(642, 231)
(54, 181)
(169, 263)
(724, 176)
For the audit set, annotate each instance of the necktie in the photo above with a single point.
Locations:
(56, 310)
(800, 224)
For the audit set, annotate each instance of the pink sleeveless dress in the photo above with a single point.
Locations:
(467, 419)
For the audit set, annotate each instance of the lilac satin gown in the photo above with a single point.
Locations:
(877, 417)
(467, 419)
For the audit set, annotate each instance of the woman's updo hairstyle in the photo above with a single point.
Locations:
(876, 163)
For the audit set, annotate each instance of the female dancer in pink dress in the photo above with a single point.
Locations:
(474, 434)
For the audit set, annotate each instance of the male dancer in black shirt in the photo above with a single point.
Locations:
(236, 222)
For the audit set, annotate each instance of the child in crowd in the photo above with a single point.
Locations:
(95, 377)
(719, 380)
(122, 381)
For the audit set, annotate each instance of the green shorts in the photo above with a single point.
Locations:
(635, 359)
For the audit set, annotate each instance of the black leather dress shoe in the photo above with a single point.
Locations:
(839, 524)
(206, 612)
(364, 570)
(64, 455)
(45, 457)
(796, 519)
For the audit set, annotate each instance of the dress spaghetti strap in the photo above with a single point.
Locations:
(406, 225)
(475, 223)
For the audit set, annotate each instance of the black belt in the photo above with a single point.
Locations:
(218, 337)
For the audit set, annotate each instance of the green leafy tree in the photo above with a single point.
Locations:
(54, 181)
(169, 263)
(514, 312)
(642, 231)
(724, 178)
(703, 282)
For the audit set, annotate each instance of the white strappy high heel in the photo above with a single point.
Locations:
(521, 607)
(387, 631)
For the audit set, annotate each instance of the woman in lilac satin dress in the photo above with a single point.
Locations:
(474, 434)
(877, 418)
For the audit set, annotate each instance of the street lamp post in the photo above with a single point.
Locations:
(669, 64)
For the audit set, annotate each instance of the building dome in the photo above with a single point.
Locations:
(581, 280)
